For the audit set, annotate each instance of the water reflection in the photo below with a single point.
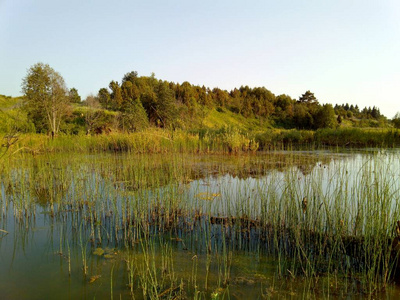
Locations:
(59, 211)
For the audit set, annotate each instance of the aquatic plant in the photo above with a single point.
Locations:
(182, 223)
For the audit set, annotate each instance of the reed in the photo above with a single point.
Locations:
(320, 218)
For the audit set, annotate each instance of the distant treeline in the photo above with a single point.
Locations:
(168, 104)
(140, 102)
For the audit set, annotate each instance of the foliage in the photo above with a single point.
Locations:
(12, 118)
(325, 117)
(90, 120)
(396, 120)
(104, 98)
(139, 102)
(175, 105)
(308, 97)
(45, 100)
(165, 111)
(74, 96)
(134, 117)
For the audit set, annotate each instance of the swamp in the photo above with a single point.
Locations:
(281, 224)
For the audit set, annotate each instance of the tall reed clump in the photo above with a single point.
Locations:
(148, 141)
(223, 140)
(284, 139)
(358, 137)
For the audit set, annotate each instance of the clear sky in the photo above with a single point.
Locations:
(343, 51)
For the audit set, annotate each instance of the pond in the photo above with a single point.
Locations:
(282, 224)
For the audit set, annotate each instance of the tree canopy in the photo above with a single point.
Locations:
(308, 97)
(136, 102)
(74, 96)
(45, 98)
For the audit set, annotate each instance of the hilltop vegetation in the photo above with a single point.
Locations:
(13, 118)
(141, 103)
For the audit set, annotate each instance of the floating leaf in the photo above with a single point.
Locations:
(207, 196)
(98, 251)
(94, 278)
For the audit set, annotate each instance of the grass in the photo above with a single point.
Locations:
(224, 140)
(149, 141)
(223, 118)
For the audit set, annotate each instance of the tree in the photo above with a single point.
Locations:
(302, 117)
(325, 117)
(45, 98)
(74, 96)
(131, 76)
(375, 113)
(116, 95)
(92, 113)
(104, 98)
(127, 93)
(396, 120)
(165, 108)
(308, 97)
(134, 117)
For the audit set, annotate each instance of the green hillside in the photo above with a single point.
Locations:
(12, 117)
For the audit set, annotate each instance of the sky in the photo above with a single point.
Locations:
(343, 51)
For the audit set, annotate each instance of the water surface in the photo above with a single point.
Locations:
(140, 224)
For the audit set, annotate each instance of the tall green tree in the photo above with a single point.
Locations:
(302, 117)
(134, 117)
(126, 92)
(131, 76)
(308, 98)
(104, 98)
(284, 105)
(74, 96)
(45, 98)
(325, 117)
(165, 109)
(116, 95)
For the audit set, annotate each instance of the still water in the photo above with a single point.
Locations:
(124, 226)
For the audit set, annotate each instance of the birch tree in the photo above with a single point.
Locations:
(46, 99)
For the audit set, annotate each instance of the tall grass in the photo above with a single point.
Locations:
(149, 141)
(223, 140)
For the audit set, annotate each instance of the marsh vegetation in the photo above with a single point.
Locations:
(302, 224)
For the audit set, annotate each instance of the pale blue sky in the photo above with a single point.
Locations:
(343, 51)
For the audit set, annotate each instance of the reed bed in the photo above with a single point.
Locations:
(177, 226)
(148, 141)
(206, 141)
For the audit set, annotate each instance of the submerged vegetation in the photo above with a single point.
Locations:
(183, 226)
